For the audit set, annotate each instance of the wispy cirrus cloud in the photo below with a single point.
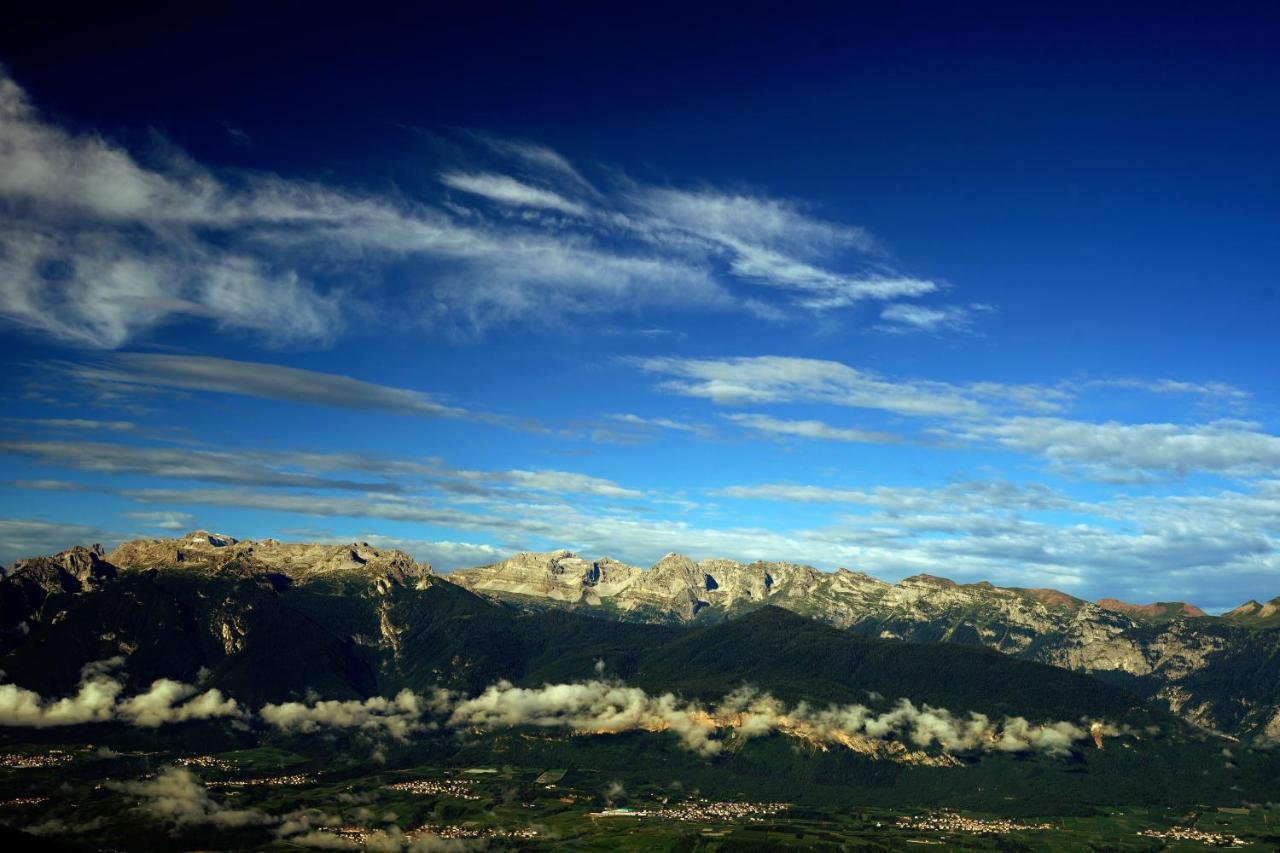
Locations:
(781, 379)
(170, 521)
(30, 537)
(539, 159)
(102, 246)
(121, 375)
(182, 463)
(260, 380)
(1137, 547)
(774, 242)
(96, 248)
(385, 477)
(908, 317)
(810, 429)
(507, 190)
(968, 496)
(72, 424)
(1133, 451)
(1028, 419)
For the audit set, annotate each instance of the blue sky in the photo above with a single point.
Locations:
(990, 296)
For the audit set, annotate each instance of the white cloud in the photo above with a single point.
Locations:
(175, 795)
(605, 707)
(1221, 391)
(240, 467)
(73, 267)
(99, 699)
(781, 379)
(810, 429)
(1122, 451)
(909, 317)
(394, 479)
(104, 288)
(635, 420)
(630, 428)
(773, 242)
(1016, 417)
(967, 496)
(100, 247)
(172, 521)
(751, 219)
(29, 537)
(555, 481)
(543, 160)
(398, 717)
(507, 190)
(1165, 548)
(442, 556)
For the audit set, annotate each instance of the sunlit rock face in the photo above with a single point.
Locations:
(298, 562)
(1255, 615)
(559, 576)
(1166, 650)
(29, 584)
(68, 571)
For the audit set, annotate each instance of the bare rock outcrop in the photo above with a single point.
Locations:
(299, 562)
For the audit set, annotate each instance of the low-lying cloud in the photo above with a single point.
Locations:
(98, 699)
(398, 717)
(596, 706)
(609, 707)
(177, 796)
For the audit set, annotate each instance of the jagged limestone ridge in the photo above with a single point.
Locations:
(1167, 645)
(300, 562)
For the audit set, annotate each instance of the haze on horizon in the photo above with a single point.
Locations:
(987, 298)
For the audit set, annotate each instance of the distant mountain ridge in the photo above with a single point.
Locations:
(681, 587)
(1256, 615)
(1218, 672)
(1222, 673)
(300, 562)
(266, 622)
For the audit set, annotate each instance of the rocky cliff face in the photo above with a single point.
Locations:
(29, 585)
(1211, 671)
(558, 576)
(269, 618)
(298, 562)
(40, 590)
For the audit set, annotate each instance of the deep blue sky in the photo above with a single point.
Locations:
(989, 293)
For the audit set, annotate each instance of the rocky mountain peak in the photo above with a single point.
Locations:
(677, 564)
(559, 576)
(1249, 608)
(76, 569)
(1158, 612)
(1256, 615)
(928, 580)
(1053, 598)
(301, 562)
(213, 540)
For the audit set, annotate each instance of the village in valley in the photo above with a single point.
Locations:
(506, 806)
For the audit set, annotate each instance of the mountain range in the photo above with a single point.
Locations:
(773, 681)
(182, 606)
(1221, 673)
